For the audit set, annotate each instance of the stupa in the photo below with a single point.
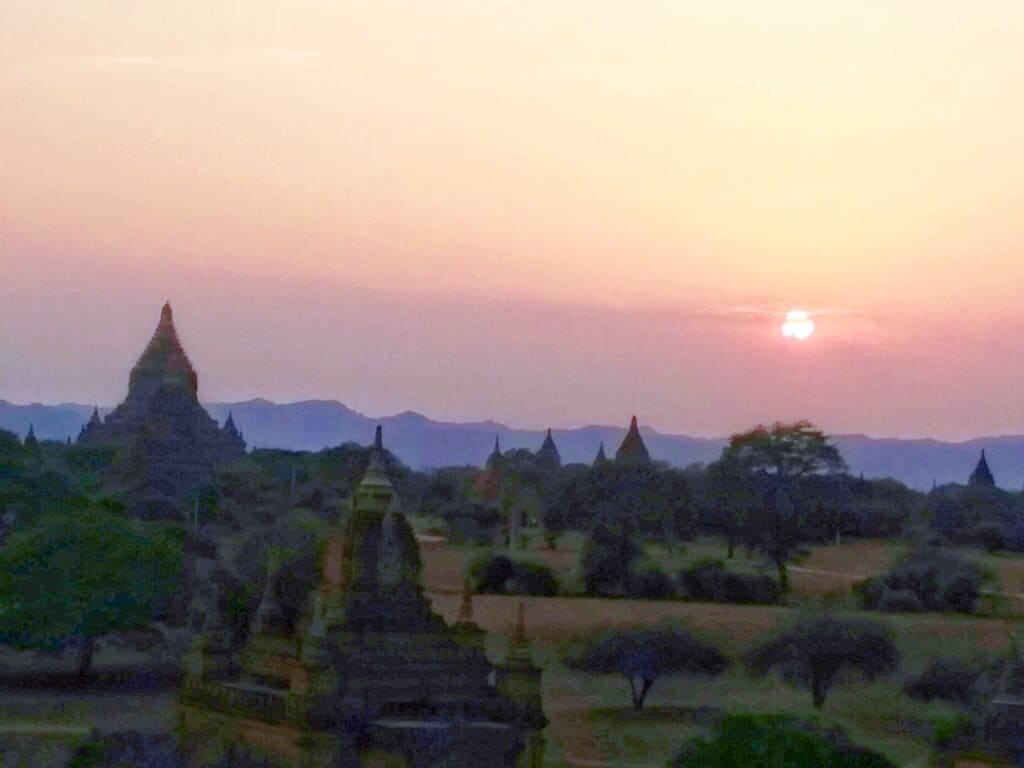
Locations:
(373, 676)
(164, 436)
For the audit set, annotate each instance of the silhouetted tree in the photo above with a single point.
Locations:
(816, 650)
(609, 553)
(777, 460)
(644, 655)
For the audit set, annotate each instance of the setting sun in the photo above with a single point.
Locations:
(798, 325)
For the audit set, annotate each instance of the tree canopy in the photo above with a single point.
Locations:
(644, 655)
(818, 649)
(72, 578)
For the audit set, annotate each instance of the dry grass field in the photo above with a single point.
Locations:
(591, 722)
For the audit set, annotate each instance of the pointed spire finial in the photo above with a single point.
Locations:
(497, 444)
(378, 439)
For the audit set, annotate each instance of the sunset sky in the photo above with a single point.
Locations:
(542, 212)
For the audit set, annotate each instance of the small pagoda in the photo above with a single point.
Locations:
(372, 676)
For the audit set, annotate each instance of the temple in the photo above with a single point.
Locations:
(372, 676)
(600, 459)
(981, 477)
(548, 454)
(161, 430)
(632, 450)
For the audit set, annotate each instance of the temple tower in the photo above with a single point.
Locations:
(548, 454)
(167, 441)
(632, 450)
(982, 477)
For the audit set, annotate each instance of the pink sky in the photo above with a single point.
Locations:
(542, 213)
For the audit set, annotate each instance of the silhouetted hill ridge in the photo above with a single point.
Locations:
(422, 442)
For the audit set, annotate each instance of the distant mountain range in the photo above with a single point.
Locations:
(423, 443)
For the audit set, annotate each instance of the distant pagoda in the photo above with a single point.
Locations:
(632, 450)
(164, 437)
(982, 476)
(548, 454)
(600, 459)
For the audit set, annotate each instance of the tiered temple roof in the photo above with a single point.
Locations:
(160, 427)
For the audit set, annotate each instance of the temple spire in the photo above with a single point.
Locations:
(632, 450)
(30, 438)
(163, 362)
(982, 477)
(601, 458)
(548, 453)
(495, 456)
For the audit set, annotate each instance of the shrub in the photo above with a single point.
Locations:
(773, 741)
(651, 584)
(709, 580)
(472, 524)
(498, 574)
(941, 581)
(898, 601)
(945, 678)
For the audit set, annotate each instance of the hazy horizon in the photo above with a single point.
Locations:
(544, 215)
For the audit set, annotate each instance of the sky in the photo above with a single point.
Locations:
(545, 213)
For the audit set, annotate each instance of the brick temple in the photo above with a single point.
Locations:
(164, 438)
(373, 677)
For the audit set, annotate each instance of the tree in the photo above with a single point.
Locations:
(817, 650)
(644, 655)
(778, 460)
(73, 578)
(609, 553)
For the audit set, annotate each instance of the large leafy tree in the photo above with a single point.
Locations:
(774, 464)
(73, 578)
(818, 650)
(645, 655)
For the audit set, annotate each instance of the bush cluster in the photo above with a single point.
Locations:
(772, 740)
(945, 678)
(710, 581)
(929, 580)
(498, 574)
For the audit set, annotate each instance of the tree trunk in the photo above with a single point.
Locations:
(639, 696)
(783, 575)
(85, 657)
(817, 691)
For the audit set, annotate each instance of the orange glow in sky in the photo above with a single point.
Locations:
(357, 191)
